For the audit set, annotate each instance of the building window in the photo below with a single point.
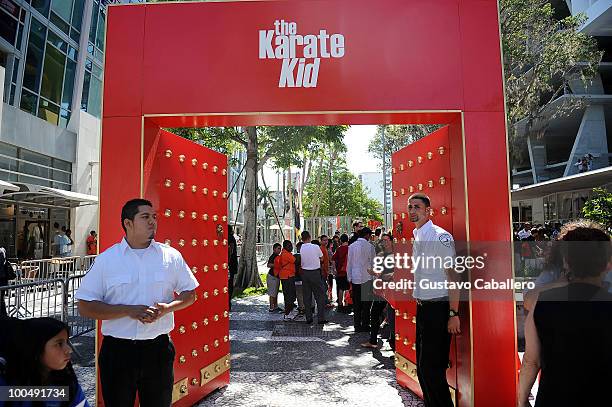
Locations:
(10, 25)
(91, 102)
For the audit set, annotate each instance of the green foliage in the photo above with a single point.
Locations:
(348, 196)
(542, 55)
(220, 139)
(599, 208)
(396, 137)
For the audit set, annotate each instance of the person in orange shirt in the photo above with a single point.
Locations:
(284, 268)
(92, 243)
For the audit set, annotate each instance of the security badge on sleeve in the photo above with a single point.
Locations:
(446, 239)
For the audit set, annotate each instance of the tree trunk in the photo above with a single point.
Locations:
(332, 153)
(317, 201)
(248, 275)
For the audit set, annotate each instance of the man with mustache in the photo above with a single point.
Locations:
(131, 288)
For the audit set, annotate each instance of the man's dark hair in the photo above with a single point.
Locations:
(322, 236)
(365, 233)
(287, 245)
(422, 197)
(275, 245)
(93, 232)
(344, 238)
(130, 209)
(316, 242)
(356, 223)
(298, 245)
(56, 225)
(377, 232)
(585, 246)
(305, 235)
(63, 228)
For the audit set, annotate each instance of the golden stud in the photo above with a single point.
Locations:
(205, 348)
(432, 212)
(225, 314)
(182, 242)
(167, 213)
(403, 191)
(204, 166)
(397, 313)
(403, 215)
(182, 359)
(430, 184)
(429, 155)
(194, 325)
(207, 375)
(442, 180)
(181, 186)
(393, 170)
(167, 242)
(215, 169)
(204, 242)
(194, 189)
(216, 343)
(182, 158)
(215, 267)
(194, 215)
(411, 188)
(194, 162)
(215, 242)
(181, 214)
(168, 153)
(194, 242)
(410, 163)
(194, 382)
(182, 329)
(403, 240)
(225, 338)
(224, 242)
(215, 193)
(443, 210)
(224, 218)
(406, 341)
(401, 167)
(205, 269)
(225, 290)
(204, 216)
(224, 195)
(194, 353)
(205, 191)
(397, 337)
(414, 320)
(405, 316)
(419, 159)
(414, 346)
(215, 218)
(420, 187)
(168, 183)
(227, 362)
(395, 216)
(395, 240)
(205, 295)
(215, 292)
(394, 193)
(441, 150)
(224, 266)
(216, 317)
(194, 270)
(205, 321)
(224, 172)
(217, 368)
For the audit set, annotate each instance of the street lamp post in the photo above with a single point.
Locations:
(384, 170)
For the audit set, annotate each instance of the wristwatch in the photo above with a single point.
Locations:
(453, 313)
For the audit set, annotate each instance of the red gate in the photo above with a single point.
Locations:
(434, 166)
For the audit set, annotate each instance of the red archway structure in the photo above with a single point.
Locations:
(316, 63)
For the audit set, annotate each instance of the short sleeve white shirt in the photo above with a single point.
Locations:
(310, 255)
(121, 275)
(436, 249)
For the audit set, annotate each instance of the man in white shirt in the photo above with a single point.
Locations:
(131, 287)
(310, 259)
(437, 309)
(525, 233)
(359, 272)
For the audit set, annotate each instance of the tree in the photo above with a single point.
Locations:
(396, 138)
(347, 198)
(599, 208)
(542, 56)
(281, 144)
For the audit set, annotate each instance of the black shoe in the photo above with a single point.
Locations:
(323, 322)
(308, 321)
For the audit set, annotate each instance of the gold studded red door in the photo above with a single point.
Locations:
(188, 185)
(424, 166)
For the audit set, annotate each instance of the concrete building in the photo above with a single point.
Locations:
(576, 146)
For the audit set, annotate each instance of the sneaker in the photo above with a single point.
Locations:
(278, 309)
(309, 321)
(272, 310)
(299, 318)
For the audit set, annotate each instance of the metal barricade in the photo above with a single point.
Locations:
(79, 324)
(32, 270)
(86, 263)
(35, 299)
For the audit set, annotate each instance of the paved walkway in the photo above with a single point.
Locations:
(282, 363)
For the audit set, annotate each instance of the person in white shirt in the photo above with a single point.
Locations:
(310, 258)
(131, 288)
(359, 272)
(525, 233)
(437, 315)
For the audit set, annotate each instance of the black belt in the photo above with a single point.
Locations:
(158, 339)
(433, 300)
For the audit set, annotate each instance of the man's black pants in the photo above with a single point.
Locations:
(362, 302)
(376, 312)
(289, 293)
(143, 366)
(311, 284)
(432, 351)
